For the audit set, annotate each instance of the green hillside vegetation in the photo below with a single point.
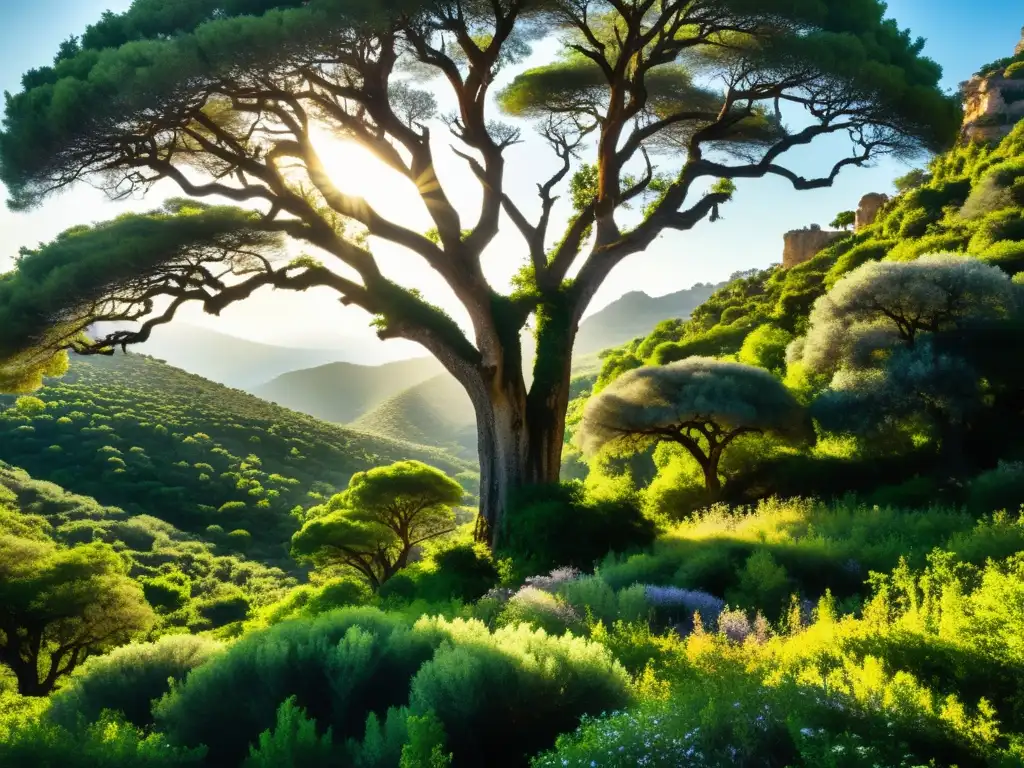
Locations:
(635, 314)
(343, 392)
(789, 532)
(435, 412)
(971, 202)
(212, 461)
(190, 583)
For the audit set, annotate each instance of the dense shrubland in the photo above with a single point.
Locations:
(211, 461)
(796, 632)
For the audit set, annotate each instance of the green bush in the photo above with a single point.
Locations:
(293, 743)
(339, 667)
(720, 340)
(1000, 488)
(869, 250)
(553, 526)
(540, 610)
(460, 572)
(128, 680)
(504, 697)
(224, 609)
(309, 601)
(765, 347)
(168, 592)
(108, 743)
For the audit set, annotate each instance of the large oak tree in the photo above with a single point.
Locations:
(221, 97)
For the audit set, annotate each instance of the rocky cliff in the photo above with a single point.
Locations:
(994, 99)
(802, 244)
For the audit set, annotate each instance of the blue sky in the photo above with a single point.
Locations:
(961, 36)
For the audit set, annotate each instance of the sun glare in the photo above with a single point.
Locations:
(357, 171)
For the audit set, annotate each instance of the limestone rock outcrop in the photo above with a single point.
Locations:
(994, 101)
(802, 244)
(868, 209)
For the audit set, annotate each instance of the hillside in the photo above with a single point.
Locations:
(972, 203)
(635, 314)
(435, 412)
(229, 360)
(153, 439)
(220, 586)
(342, 392)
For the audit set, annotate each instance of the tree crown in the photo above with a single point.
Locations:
(652, 403)
(884, 304)
(221, 96)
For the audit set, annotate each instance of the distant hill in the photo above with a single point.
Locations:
(152, 439)
(229, 360)
(404, 399)
(342, 392)
(435, 412)
(635, 314)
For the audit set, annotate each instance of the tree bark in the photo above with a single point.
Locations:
(520, 432)
(711, 479)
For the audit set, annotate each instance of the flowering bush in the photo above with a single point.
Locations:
(676, 605)
(542, 610)
(555, 580)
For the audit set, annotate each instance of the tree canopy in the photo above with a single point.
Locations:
(59, 605)
(844, 220)
(374, 525)
(887, 304)
(890, 337)
(224, 97)
(700, 403)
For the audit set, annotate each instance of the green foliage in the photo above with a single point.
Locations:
(766, 348)
(818, 546)
(128, 680)
(844, 220)
(373, 526)
(911, 180)
(308, 601)
(62, 605)
(999, 488)
(107, 743)
(700, 403)
(169, 592)
(132, 401)
(338, 667)
(225, 608)
(293, 743)
(558, 526)
(503, 696)
(425, 748)
(540, 610)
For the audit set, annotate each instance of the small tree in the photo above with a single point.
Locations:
(844, 220)
(375, 524)
(700, 403)
(887, 304)
(912, 180)
(60, 606)
(880, 335)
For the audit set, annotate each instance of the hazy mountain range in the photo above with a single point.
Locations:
(413, 399)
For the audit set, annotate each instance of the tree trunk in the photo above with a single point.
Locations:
(520, 433)
(27, 675)
(711, 480)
